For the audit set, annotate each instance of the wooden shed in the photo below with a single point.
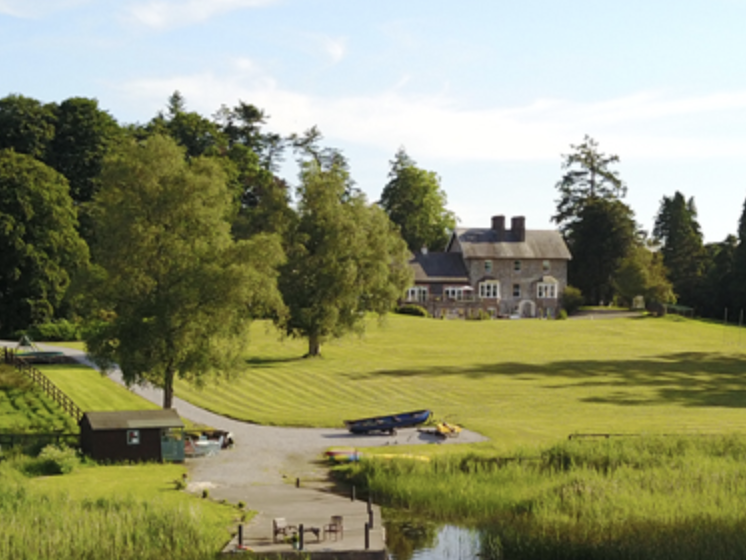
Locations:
(132, 435)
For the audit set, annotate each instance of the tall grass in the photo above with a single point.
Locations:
(628, 498)
(39, 523)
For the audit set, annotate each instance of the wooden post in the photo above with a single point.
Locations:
(300, 537)
(367, 537)
(240, 534)
(352, 493)
(370, 518)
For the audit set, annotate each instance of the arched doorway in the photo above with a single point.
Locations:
(527, 308)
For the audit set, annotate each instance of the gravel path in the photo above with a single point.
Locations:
(266, 455)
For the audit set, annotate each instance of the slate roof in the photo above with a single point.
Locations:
(133, 419)
(481, 243)
(439, 267)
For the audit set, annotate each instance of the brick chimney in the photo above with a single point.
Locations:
(518, 228)
(498, 226)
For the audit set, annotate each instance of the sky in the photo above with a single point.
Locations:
(488, 94)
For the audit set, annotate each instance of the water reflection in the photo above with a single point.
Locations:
(421, 540)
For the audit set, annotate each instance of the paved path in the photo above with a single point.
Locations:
(265, 463)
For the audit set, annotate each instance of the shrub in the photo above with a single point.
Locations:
(480, 315)
(411, 309)
(572, 299)
(60, 331)
(562, 315)
(53, 460)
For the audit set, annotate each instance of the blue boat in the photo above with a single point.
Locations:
(389, 423)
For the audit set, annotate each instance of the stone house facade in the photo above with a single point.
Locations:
(502, 272)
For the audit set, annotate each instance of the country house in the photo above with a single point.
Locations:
(504, 272)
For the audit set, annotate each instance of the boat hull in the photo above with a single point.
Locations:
(388, 423)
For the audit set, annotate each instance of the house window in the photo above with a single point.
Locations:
(517, 266)
(488, 267)
(545, 266)
(454, 293)
(489, 289)
(517, 289)
(417, 293)
(544, 290)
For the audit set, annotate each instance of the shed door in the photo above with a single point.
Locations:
(172, 446)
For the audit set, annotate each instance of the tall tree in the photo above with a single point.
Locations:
(179, 290)
(677, 229)
(345, 258)
(599, 228)
(603, 235)
(719, 278)
(83, 136)
(39, 245)
(415, 201)
(738, 287)
(26, 125)
(588, 176)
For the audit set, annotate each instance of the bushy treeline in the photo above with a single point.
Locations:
(646, 497)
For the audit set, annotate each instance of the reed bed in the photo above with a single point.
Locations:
(651, 497)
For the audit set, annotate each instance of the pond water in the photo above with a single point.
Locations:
(408, 540)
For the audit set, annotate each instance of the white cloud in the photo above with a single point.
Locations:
(335, 48)
(37, 8)
(162, 14)
(435, 126)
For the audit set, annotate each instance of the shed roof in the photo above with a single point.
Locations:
(124, 419)
(481, 243)
(439, 267)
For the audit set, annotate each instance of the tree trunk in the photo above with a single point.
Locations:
(314, 346)
(168, 388)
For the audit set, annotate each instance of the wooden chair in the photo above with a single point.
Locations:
(335, 528)
(280, 527)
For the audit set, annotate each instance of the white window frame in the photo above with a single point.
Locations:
(417, 293)
(516, 290)
(488, 267)
(454, 292)
(517, 266)
(546, 290)
(489, 289)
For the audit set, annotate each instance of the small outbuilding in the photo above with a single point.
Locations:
(133, 435)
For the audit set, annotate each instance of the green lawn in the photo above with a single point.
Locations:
(92, 391)
(521, 383)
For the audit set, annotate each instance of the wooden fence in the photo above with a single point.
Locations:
(51, 390)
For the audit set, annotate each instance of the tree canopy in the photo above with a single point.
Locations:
(40, 248)
(345, 259)
(179, 290)
(415, 201)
